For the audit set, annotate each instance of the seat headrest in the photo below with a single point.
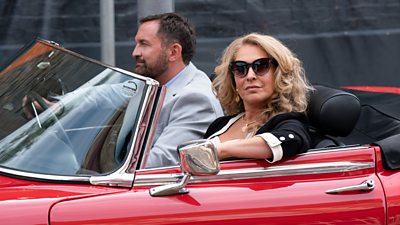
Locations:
(332, 111)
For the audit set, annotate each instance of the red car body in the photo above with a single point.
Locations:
(336, 185)
(244, 192)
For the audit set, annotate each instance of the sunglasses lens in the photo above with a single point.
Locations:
(239, 69)
(261, 66)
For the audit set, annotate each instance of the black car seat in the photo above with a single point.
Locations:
(332, 113)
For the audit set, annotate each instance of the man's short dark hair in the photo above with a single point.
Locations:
(175, 28)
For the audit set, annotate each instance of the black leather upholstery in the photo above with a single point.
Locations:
(332, 113)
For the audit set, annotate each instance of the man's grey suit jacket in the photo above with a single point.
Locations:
(189, 108)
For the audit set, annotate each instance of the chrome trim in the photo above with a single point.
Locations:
(261, 172)
(199, 158)
(119, 179)
(123, 177)
(334, 149)
(367, 185)
(52, 42)
(43, 176)
(314, 151)
(149, 81)
(158, 103)
(171, 189)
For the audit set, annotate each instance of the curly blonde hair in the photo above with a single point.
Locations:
(290, 88)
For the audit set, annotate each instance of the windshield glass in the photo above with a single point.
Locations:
(65, 115)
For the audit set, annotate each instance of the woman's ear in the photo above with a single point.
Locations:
(175, 52)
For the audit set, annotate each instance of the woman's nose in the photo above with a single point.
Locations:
(251, 75)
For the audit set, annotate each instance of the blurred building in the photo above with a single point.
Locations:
(340, 42)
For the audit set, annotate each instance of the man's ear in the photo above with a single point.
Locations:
(175, 52)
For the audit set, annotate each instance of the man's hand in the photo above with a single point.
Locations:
(32, 106)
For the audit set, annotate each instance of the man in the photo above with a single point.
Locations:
(165, 45)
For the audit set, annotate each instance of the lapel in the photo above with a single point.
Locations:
(185, 77)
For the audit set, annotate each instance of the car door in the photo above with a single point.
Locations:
(336, 186)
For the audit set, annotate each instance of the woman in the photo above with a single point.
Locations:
(263, 90)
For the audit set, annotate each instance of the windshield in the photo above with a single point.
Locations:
(65, 115)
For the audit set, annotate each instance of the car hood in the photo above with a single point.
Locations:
(28, 202)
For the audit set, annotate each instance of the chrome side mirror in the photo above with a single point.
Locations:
(198, 158)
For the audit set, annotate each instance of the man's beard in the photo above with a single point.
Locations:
(155, 70)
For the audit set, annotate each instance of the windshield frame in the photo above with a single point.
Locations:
(123, 176)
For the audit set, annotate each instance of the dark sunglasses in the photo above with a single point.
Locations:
(259, 66)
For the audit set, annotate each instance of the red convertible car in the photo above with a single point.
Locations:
(74, 136)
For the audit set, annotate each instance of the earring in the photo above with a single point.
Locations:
(237, 98)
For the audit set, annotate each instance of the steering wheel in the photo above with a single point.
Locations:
(30, 108)
(34, 96)
(52, 116)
